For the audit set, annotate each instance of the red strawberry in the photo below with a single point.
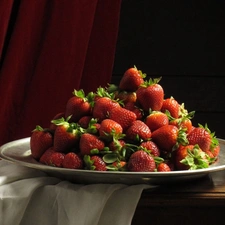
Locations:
(200, 136)
(56, 159)
(56, 117)
(131, 79)
(122, 116)
(94, 162)
(41, 139)
(45, 158)
(163, 167)
(141, 161)
(125, 96)
(184, 123)
(138, 131)
(215, 151)
(168, 137)
(190, 157)
(156, 119)
(150, 95)
(77, 106)
(119, 165)
(72, 161)
(135, 109)
(116, 145)
(151, 147)
(102, 108)
(110, 128)
(84, 121)
(171, 105)
(66, 135)
(90, 142)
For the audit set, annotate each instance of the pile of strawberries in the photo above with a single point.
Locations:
(129, 127)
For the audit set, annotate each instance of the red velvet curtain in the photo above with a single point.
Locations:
(48, 48)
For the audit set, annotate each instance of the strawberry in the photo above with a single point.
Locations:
(125, 96)
(141, 161)
(184, 123)
(72, 161)
(135, 109)
(201, 136)
(84, 121)
(41, 139)
(150, 95)
(168, 137)
(77, 106)
(90, 142)
(156, 119)
(122, 116)
(116, 145)
(56, 159)
(66, 135)
(171, 105)
(102, 108)
(215, 151)
(163, 167)
(94, 162)
(109, 128)
(191, 157)
(138, 131)
(151, 147)
(45, 158)
(131, 79)
(121, 166)
(56, 117)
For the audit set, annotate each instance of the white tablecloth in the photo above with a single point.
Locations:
(30, 197)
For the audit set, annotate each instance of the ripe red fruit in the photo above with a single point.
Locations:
(41, 139)
(172, 106)
(66, 135)
(190, 157)
(138, 131)
(168, 137)
(156, 119)
(90, 142)
(163, 167)
(122, 116)
(126, 97)
(131, 79)
(45, 158)
(56, 159)
(109, 129)
(94, 162)
(150, 95)
(77, 106)
(200, 136)
(151, 147)
(135, 109)
(141, 161)
(72, 161)
(103, 107)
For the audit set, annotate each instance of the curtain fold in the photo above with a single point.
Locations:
(51, 48)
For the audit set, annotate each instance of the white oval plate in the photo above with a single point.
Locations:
(19, 152)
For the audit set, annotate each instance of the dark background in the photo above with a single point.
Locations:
(184, 42)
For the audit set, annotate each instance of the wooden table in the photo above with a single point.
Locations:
(199, 202)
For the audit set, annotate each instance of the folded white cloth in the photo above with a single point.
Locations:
(29, 196)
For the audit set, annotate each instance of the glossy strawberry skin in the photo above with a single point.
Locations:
(89, 142)
(65, 138)
(40, 141)
(201, 137)
(172, 106)
(138, 129)
(150, 97)
(56, 159)
(72, 161)
(98, 163)
(126, 97)
(163, 167)
(151, 147)
(156, 119)
(183, 124)
(122, 116)
(103, 107)
(109, 128)
(77, 107)
(131, 80)
(135, 109)
(46, 156)
(140, 161)
(165, 137)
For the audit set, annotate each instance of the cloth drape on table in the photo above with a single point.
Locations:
(48, 49)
